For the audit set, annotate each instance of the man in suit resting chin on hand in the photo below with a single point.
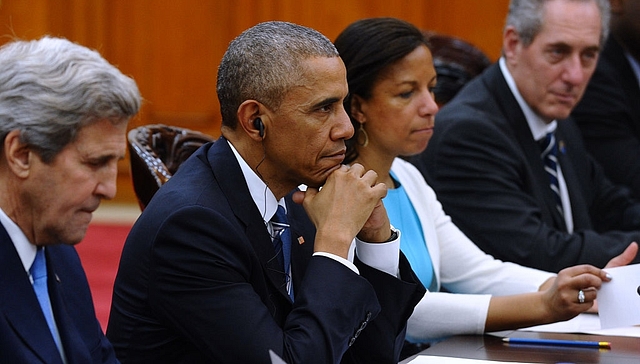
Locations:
(207, 274)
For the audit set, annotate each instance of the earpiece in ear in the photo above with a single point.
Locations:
(258, 124)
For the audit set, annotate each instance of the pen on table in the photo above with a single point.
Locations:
(584, 344)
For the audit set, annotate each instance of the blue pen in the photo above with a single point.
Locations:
(583, 344)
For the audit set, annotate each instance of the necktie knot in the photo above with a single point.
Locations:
(279, 221)
(38, 268)
(549, 145)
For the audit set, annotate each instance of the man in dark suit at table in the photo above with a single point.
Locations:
(64, 112)
(208, 273)
(543, 206)
(609, 113)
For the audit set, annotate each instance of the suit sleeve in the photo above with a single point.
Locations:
(483, 181)
(397, 298)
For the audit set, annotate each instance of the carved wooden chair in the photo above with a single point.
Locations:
(156, 151)
(456, 62)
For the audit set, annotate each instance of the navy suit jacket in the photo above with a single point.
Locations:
(24, 334)
(198, 283)
(487, 171)
(609, 117)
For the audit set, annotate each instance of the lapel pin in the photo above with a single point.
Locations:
(300, 240)
(561, 146)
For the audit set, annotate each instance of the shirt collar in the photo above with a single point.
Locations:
(26, 250)
(539, 129)
(261, 195)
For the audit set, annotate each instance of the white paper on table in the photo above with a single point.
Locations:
(585, 323)
(428, 359)
(619, 300)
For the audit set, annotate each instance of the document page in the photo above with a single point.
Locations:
(619, 300)
(428, 359)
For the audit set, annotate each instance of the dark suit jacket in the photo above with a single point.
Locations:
(24, 334)
(197, 283)
(609, 117)
(487, 172)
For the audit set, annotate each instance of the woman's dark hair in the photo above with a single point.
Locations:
(368, 47)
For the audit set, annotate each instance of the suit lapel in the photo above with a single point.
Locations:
(228, 174)
(21, 307)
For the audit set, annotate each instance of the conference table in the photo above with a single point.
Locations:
(491, 347)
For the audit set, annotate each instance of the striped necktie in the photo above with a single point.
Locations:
(550, 158)
(282, 245)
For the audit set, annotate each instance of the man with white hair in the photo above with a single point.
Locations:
(64, 111)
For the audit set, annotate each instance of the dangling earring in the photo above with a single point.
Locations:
(363, 137)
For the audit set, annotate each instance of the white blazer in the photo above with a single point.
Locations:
(459, 266)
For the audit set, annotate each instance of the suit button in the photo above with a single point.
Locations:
(362, 326)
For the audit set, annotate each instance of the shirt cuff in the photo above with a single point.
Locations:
(339, 259)
(381, 256)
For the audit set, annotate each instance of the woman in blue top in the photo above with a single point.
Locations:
(391, 77)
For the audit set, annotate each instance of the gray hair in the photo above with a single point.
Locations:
(50, 88)
(263, 64)
(527, 16)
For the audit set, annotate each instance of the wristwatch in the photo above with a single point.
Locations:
(394, 235)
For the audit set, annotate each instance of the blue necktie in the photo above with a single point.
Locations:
(282, 245)
(38, 272)
(550, 158)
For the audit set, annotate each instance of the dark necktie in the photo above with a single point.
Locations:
(550, 158)
(282, 245)
(38, 272)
